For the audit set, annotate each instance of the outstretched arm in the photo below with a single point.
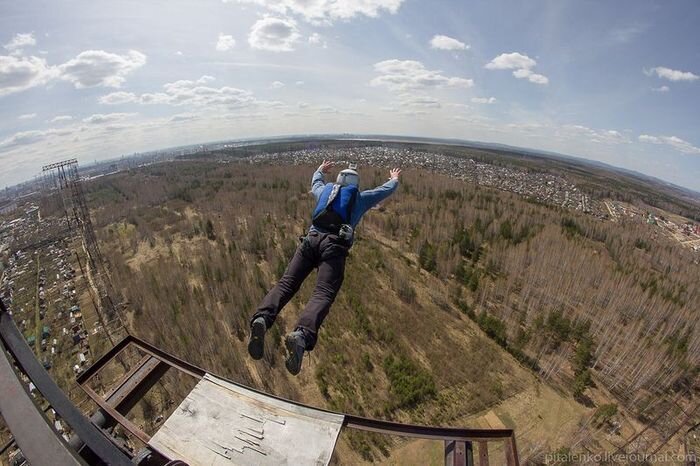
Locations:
(317, 182)
(372, 197)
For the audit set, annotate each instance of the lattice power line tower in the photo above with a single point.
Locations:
(64, 177)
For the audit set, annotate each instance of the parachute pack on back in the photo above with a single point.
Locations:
(334, 207)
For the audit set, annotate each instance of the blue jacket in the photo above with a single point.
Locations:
(365, 199)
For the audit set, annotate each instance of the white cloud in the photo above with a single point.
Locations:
(99, 68)
(183, 117)
(447, 43)
(117, 127)
(299, 83)
(484, 100)
(274, 34)
(23, 138)
(414, 113)
(27, 116)
(671, 75)
(326, 11)
(116, 98)
(187, 92)
(424, 101)
(19, 41)
(277, 85)
(661, 89)
(572, 135)
(326, 109)
(530, 76)
(511, 61)
(672, 141)
(527, 127)
(521, 64)
(603, 136)
(178, 53)
(89, 69)
(651, 139)
(102, 118)
(245, 116)
(535, 78)
(61, 118)
(20, 73)
(225, 42)
(317, 39)
(404, 75)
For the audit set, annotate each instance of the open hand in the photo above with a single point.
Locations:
(326, 166)
(394, 173)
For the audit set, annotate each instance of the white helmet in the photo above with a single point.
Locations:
(349, 176)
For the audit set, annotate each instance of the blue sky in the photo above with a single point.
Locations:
(617, 82)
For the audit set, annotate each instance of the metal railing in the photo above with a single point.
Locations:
(39, 443)
(42, 445)
(456, 439)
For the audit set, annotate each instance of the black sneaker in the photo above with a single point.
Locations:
(296, 344)
(256, 345)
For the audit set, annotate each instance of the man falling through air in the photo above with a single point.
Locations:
(339, 208)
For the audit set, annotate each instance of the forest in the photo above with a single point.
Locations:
(459, 296)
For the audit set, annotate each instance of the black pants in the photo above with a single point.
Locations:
(325, 251)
